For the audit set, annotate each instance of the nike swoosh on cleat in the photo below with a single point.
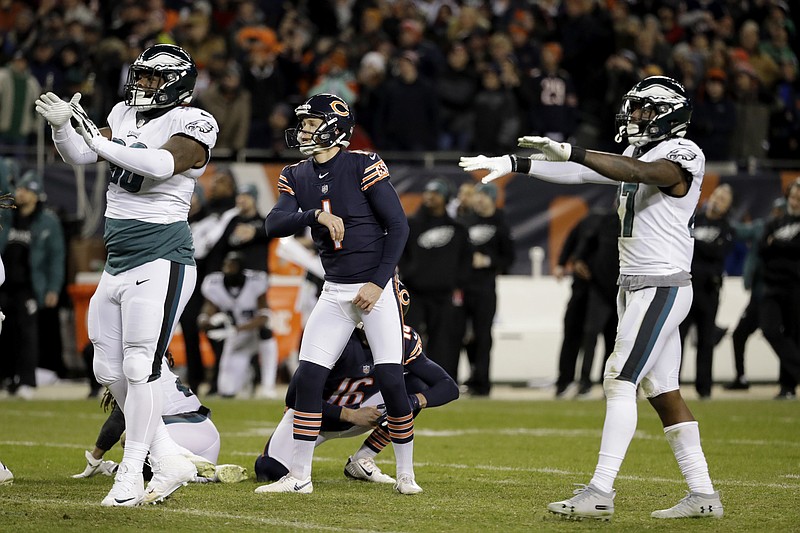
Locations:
(300, 487)
(139, 282)
(122, 501)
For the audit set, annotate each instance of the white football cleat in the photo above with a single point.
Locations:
(97, 466)
(6, 477)
(230, 473)
(694, 505)
(169, 474)
(588, 502)
(406, 485)
(288, 484)
(365, 469)
(128, 489)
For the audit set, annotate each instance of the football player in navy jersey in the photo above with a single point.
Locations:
(352, 406)
(359, 229)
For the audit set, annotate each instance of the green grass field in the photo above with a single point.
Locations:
(485, 465)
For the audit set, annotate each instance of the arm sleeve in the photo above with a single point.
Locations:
(567, 173)
(71, 146)
(331, 412)
(389, 211)
(442, 389)
(112, 429)
(154, 163)
(285, 219)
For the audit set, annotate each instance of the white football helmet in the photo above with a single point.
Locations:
(664, 102)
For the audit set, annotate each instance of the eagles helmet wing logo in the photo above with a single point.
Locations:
(681, 153)
(202, 126)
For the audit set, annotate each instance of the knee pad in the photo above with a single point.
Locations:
(617, 389)
(269, 469)
(138, 368)
(103, 371)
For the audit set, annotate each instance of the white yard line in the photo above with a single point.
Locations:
(83, 504)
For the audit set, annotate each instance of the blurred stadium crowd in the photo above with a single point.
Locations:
(424, 75)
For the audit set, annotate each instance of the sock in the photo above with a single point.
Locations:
(310, 379)
(143, 411)
(364, 453)
(163, 445)
(305, 431)
(684, 438)
(618, 430)
(134, 455)
(398, 415)
(373, 445)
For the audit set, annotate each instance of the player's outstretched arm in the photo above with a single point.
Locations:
(565, 172)
(660, 172)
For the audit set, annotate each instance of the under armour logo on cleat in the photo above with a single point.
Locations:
(139, 282)
(298, 487)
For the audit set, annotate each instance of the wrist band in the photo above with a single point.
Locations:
(578, 154)
(523, 166)
(317, 214)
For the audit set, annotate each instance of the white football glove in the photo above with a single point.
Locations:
(97, 466)
(551, 150)
(88, 129)
(55, 110)
(219, 320)
(220, 334)
(497, 166)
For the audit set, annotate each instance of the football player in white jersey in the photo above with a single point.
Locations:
(157, 148)
(659, 178)
(188, 422)
(239, 297)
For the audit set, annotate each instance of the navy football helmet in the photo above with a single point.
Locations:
(176, 73)
(336, 128)
(663, 102)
